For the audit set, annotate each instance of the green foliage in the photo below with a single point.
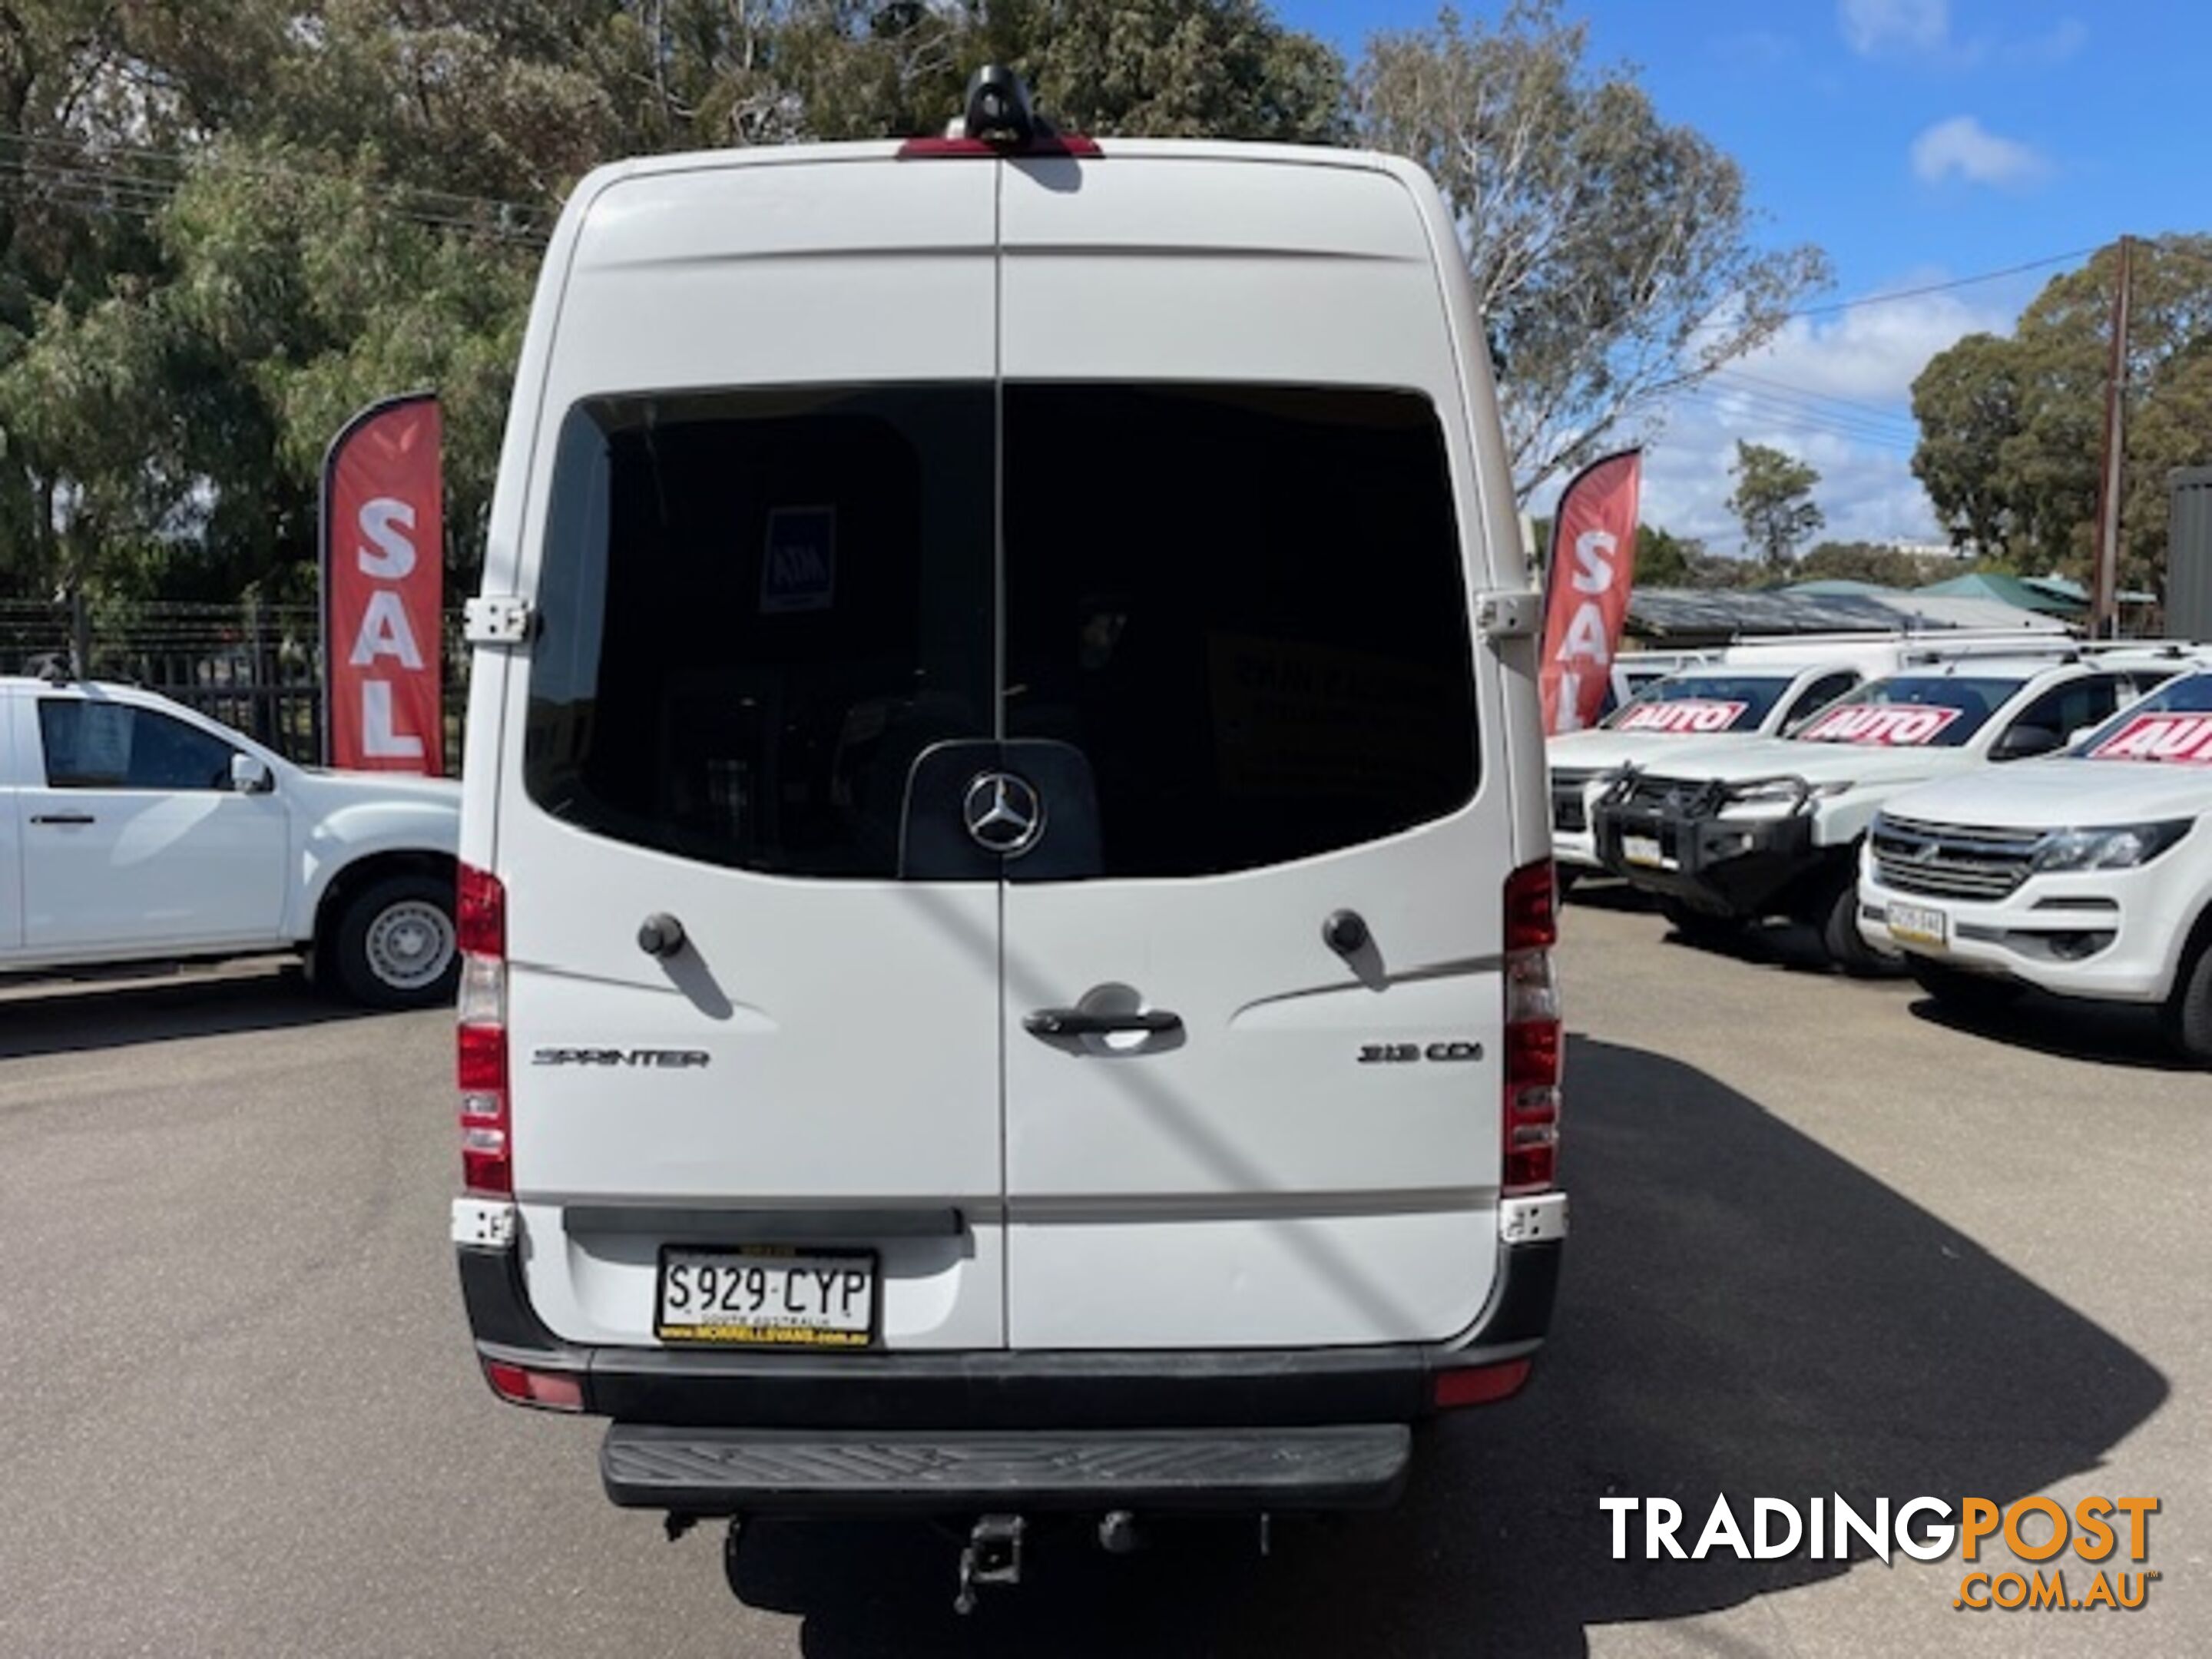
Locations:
(1665, 560)
(1610, 253)
(224, 227)
(1869, 561)
(2012, 428)
(1773, 499)
(1967, 402)
(1171, 69)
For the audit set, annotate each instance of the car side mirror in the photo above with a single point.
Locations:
(250, 775)
(2022, 741)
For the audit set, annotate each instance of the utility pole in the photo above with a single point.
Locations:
(2104, 593)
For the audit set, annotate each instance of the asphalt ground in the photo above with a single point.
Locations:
(1823, 1240)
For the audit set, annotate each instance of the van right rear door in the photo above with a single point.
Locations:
(1242, 526)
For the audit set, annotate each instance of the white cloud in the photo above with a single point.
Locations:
(1874, 25)
(1868, 492)
(1872, 353)
(2057, 44)
(1922, 29)
(1963, 148)
(1835, 390)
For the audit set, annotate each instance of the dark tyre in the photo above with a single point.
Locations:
(1566, 878)
(2189, 1010)
(1971, 994)
(1700, 926)
(1846, 947)
(394, 945)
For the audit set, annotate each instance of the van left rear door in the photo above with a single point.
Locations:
(763, 566)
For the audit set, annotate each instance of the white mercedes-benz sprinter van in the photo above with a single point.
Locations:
(1007, 901)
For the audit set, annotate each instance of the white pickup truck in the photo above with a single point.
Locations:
(2088, 875)
(1749, 693)
(1758, 687)
(1732, 832)
(133, 829)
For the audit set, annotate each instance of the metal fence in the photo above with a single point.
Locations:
(254, 667)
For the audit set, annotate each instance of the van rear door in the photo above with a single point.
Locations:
(756, 608)
(1242, 527)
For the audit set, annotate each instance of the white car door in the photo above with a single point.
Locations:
(133, 839)
(11, 830)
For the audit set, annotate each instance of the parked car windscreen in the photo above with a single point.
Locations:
(1728, 703)
(1950, 708)
(2173, 724)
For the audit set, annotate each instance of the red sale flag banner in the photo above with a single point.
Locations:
(383, 552)
(1586, 591)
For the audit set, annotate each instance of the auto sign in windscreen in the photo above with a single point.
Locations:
(1956, 706)
(2172, 725)
(1749, 697)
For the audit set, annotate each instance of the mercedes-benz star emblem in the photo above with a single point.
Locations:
(1003, 814)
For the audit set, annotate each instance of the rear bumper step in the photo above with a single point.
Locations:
(757, 1471)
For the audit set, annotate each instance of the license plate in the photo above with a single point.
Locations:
(1645, 849)
(1919, 924)
(765, 1297)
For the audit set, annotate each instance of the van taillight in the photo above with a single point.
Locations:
(553, 1391)
(1533, 1032)
(1478, 1385)
(480, 913)
(480, 920)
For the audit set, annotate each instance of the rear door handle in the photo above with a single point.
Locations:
(1079, 1022)
(63, 817)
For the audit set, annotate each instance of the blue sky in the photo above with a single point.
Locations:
(1916, 141)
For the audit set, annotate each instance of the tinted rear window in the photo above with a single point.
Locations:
(1246, 607)
(1243, 607)
(758, 609)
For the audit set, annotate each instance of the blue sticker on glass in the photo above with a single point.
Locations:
(798, 570)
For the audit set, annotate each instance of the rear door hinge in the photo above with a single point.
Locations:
(496, 619)
(1509, 616)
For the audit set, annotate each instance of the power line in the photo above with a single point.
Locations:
(1735, 421)
(99, 152)
(1886, 412)
(99, 182)
(1842, 420)
(1895, 295)
(1758, 407)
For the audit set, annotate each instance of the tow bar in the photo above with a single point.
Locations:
(992, 1555)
